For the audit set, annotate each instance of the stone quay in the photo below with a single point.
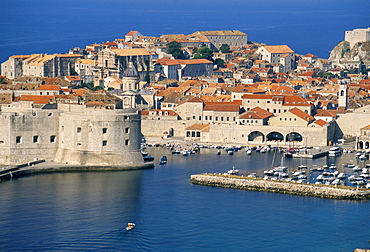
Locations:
(244, 183)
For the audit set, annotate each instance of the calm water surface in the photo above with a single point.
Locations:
(89, 211)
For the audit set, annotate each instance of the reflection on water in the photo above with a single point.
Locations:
(90, 210)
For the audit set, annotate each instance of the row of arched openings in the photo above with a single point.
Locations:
(257, 136)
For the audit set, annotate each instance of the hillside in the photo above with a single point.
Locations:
(342, 51)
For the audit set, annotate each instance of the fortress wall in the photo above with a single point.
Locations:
(34, 129)
(351, 123)
(157, 127)
(238, 134)
(100, 137)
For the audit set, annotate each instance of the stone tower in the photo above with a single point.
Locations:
(343, 95)
(130, 78)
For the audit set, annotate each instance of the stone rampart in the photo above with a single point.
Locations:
(244, 183)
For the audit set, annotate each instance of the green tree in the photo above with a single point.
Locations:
(219, 62)
(204, 53)
(174, 48)
(225, 48)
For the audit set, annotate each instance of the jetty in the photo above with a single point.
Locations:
(258, 184)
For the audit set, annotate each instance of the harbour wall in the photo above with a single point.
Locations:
(320, 191)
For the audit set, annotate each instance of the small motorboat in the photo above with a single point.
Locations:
(163, 160)
(233, 171)
(130, 226)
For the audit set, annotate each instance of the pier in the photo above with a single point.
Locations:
(256, 184)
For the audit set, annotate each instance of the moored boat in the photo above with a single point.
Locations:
(233, 171)
(163, 160)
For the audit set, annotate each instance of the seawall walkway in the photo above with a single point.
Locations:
(41, 166)
(244, 183)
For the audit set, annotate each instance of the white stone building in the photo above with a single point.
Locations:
(357, 35)
(278, 54)
(176, 69)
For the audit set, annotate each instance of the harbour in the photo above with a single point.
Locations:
(84, 210)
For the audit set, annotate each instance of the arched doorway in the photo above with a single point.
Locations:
(274, 136)
(293, 137)
(360, 145)
(256, 136)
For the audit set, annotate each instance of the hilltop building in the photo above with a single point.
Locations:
(357, 35)
(233, 38)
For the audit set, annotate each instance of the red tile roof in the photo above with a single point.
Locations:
(301, 114)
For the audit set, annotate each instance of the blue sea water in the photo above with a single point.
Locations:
(56, 26)
(88, 211)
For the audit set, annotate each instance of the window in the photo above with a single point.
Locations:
(104, 143)
(78, 130)
(127, 130)
(127, 142)
(53, 139)
(18, 139)
(105, 130)
(36, 139)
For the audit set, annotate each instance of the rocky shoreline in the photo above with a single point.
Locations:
(244, 183)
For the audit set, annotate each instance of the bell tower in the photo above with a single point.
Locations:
(343, 95)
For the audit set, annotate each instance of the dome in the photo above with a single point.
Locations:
(304, 94)
(130, 71)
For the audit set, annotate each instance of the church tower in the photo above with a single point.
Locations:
(130, 78)
(343, 95)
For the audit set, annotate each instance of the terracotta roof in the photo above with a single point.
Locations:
(301, 114)
(367, 127)
(19, 56)
(256, 113)
(199, 126)
(294, 100)
(221, 106)
(320, 122)
(171, 62)
(221, 33)
(278, 49)
(310, 55)
(73, 78)
(131, 33)
(49, 87)
(37, 99)
(85, 61)
(130, 52)
(79, 92)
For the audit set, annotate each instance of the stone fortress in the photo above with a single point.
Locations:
(71, 134)
(357, 35)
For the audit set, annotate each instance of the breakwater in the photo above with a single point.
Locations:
(244, 183)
